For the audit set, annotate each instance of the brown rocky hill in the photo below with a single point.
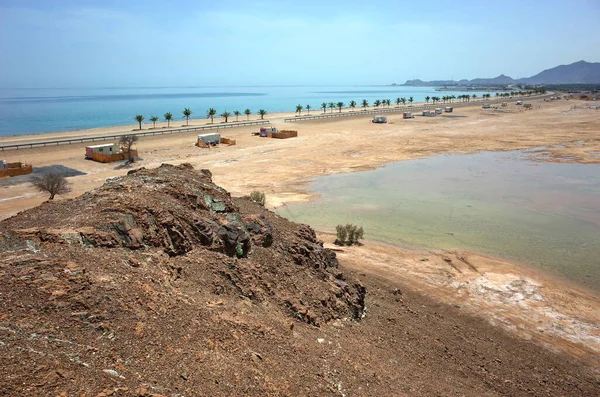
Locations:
(160, 284)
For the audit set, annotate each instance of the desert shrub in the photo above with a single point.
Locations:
(258, 197)
(348, 234)
(52, 182)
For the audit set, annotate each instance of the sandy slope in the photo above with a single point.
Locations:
(508, 295)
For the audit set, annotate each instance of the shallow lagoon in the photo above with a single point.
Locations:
(500, 204)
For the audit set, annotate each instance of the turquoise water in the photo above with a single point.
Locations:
(500, 204)
(30, 111)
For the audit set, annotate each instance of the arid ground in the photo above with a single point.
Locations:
(531, 305)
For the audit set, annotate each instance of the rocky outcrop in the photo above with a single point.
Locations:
(182, 213)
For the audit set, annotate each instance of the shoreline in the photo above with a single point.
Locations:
(203, 122)
(525, 301)
(281, 168)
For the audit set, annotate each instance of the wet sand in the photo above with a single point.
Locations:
(565, 317)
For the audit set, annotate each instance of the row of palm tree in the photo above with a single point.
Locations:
(211, 113)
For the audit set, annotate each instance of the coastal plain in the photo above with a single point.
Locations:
(521, 299)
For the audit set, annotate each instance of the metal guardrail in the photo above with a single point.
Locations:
(118, 136)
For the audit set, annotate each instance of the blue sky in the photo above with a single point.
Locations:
(74, 43)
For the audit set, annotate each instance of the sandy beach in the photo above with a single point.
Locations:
(532, 305)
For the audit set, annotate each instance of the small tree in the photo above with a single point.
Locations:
(340, 105)
(210, 114)
(331, 106)
(364, 104)
(236, 113)
(168, 118)
(427, 98)
(299, 109)
(139, 118)
(308, 107)
(154, 119)
(52, 182)
(187, 113)
(128, 141)
(258, 197)
(262, 113)
(352, 105)
(226, 115)
(247, 112)
(324, 107)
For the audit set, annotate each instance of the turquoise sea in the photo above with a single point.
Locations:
(40, 110)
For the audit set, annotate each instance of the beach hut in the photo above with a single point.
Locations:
(438, 110)
(108, 152)
(14, 169)
(264, 131)
(448, 109)
(204, 140)
(379, 119)
(527, 105)
(428, 113)
(486, 106)
(407, 115)
(519, 103)
(103, 149)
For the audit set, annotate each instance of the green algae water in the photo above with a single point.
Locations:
(500, 204)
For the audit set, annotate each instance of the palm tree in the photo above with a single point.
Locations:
(398, 101)
(324, 107)
(377, 103)
(307, 110)
(340, 105)
(210, 114)
(154, 119)
(352, 105)
(236, 113)
(427, 98)
(410, 100)
(331, 106)
(299, 109)
(403, 100)
(474, 96)
(139, 118)
(187, 113)
(364, 104)
(226, 115)
(168, 117)
(247, 112)
(262, 113)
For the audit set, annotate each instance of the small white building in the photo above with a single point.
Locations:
(105, 148)
(379, 119)
(209, 139)
(448, 109)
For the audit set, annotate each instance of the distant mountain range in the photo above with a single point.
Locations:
(581, 72)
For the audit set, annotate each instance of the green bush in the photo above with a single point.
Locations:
(258, 197)
(348, 234)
